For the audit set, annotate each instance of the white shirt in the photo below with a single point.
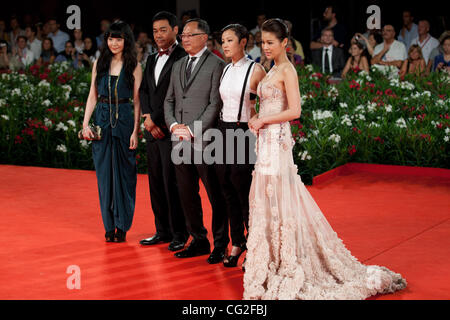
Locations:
(255, 30)
(27, 57)
(426, 45)
(231, 89)
(161, 61)
(36, 47)
(397, 51)
(330, 59)
(198, 55)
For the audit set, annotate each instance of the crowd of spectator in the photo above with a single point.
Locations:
(412, 50)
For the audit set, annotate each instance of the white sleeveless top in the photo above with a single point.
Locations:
(231, 90)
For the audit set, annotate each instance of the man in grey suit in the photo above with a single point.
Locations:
(193, 95)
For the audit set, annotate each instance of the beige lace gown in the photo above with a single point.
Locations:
(293, 253)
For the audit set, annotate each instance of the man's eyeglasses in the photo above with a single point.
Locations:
(190, 35)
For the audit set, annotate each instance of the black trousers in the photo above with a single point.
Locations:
(235, 181)
(188, 176)
(165, 200)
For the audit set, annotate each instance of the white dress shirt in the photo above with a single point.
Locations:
(330, 55)
(161, 61)
(197, 55)
(35, 47)
(426, 45)
(231, 89)
(194, 63)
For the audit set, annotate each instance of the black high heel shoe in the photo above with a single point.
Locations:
(109, 236)
(233, 260)
(120, 236)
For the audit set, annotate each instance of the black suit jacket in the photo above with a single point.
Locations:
(337, 60)
(152, 94)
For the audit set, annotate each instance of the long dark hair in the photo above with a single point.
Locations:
(361, 47)
(118, 29)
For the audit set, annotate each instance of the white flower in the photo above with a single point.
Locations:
(84, 144)
(304, 156)
(309, 67)
(447, 130)
(343, 105)
(388, 108)
(361, 117)
(302, 139)
(4, 116)
(16, 92)
(61, 148)
(72, 123)
(315, 132)
(61, 126)
(360, 108)
(401, 123)
(446, 138)
(320, 115)
(46, 103)
(5, 76)
(335, 137)
(47, 123)
(346, 120)
(371, 107)
(2, 102)
(66, 87)
(426, 93)
(143, 140)
(44, 83)
(374, 124)
(76, 109)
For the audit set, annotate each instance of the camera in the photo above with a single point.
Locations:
(357, 38)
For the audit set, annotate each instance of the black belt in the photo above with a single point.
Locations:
(106, 100)
(232, 125)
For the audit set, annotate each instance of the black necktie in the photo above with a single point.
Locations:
(327, 61)
(189, 68)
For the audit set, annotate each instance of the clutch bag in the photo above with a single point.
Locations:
(96, 130)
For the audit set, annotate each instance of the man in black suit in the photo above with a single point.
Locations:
(169, 218)
(329, 59)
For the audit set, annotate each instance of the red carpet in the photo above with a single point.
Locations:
(387, 215)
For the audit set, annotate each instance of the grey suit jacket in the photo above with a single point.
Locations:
(199, 98)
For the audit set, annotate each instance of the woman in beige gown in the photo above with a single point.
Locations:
(293, 253)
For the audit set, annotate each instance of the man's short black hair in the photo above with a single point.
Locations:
(164, 15)
(33, 29)
(202, 25)
(334, 9)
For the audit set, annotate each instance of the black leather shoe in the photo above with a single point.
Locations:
(155, 240)
(194, 250)
(109, 236)
(233, 260)
(176, 245)
(217, 255)
(120, 236)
